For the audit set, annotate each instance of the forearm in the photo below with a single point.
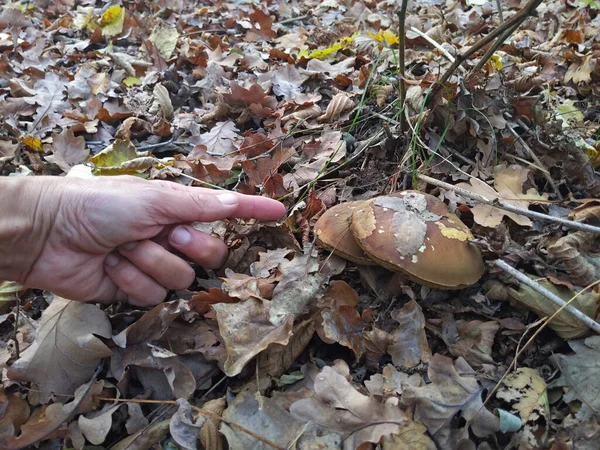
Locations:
(20, 226)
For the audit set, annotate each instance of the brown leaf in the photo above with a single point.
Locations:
(219, 140)
(341, 322)
(571, 251)
(564, 323)
(453, 389)
(472, 340)
(339, 104)
(152, 324)
(412, 437)
(265, 418)
(157, 370)
(377, 343)
(66, 351)
(68, 150)
(277, 359)
(146, 438)
(203, 300)
(338, 406)
(45, 424)
(186, 425)
(247, 330)
(509, 184)
(409, 347)
(14, 412)
(210, 438)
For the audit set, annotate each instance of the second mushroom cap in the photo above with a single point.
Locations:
(414, 233)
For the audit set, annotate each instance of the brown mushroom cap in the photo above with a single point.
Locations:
(333, 233)
(414, 233)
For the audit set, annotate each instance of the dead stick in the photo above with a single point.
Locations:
(588, 321)
(497, 203)
(503, 37)
(517, 19)
(499, 6)
(401, 49)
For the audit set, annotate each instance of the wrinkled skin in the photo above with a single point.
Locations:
(114, 238)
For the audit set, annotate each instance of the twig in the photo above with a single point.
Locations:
(401, 61)
(437, 46)
(539, 163)
(517, 19)
(588, 321)
(17, 349)
(495, 46)
(292, 19)
(499, 6)
(497, 203)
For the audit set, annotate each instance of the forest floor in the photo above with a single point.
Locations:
(308, 102)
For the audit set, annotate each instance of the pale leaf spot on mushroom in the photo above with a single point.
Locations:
(422, 248)
(367, 222)
(409, 232)
(454, 233)
(415, 259)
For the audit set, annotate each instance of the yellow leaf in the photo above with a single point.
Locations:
(165, 40)
(332, 49)
(82, 17)
(112, 21)
(32, 143)
(132, 81)
(385, 35)
(9, 290)
(496, 61)
(568, 114)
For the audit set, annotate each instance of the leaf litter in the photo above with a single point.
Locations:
(288, 345)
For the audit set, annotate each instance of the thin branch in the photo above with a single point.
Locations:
(507, 33)
(539, 163)
(517, 19)
(401, 59)
(586, 320)
(497, 203)
(437, 46)
(499, 6)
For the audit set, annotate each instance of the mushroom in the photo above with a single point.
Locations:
(333, 233)
(415, 234)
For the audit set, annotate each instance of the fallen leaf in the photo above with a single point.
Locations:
(339, 407)
(219, 140)
(525, 390)
(564, 323)
(247, 330)
(580, 375)
(66, 351)
(409, 346)
(68, 150)
(164, 39)
(52, 418)
(453, 390)
(185, 425)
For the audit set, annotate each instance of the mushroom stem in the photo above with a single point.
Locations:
(500, 204)
(588, 321)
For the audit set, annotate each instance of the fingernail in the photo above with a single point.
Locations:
(228, 199)
(130, 245)
(181, 236)
(111, 260)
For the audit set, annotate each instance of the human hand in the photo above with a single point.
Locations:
(119, 238)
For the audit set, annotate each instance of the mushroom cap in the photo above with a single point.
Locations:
(333, 233)
(414, 233)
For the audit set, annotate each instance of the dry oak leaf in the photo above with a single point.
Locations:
(509, 189)
(453, 389)
(219, 140)
(66, 351)
(247, 331)
(412, 437)
(338, 406)
(409, 346)
(339, 104)
(49, 420)
(68, 150)
(266, 418)
(580, 374)
(525, 389)
(185, 426)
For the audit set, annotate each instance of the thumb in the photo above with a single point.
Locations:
(193, 204)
